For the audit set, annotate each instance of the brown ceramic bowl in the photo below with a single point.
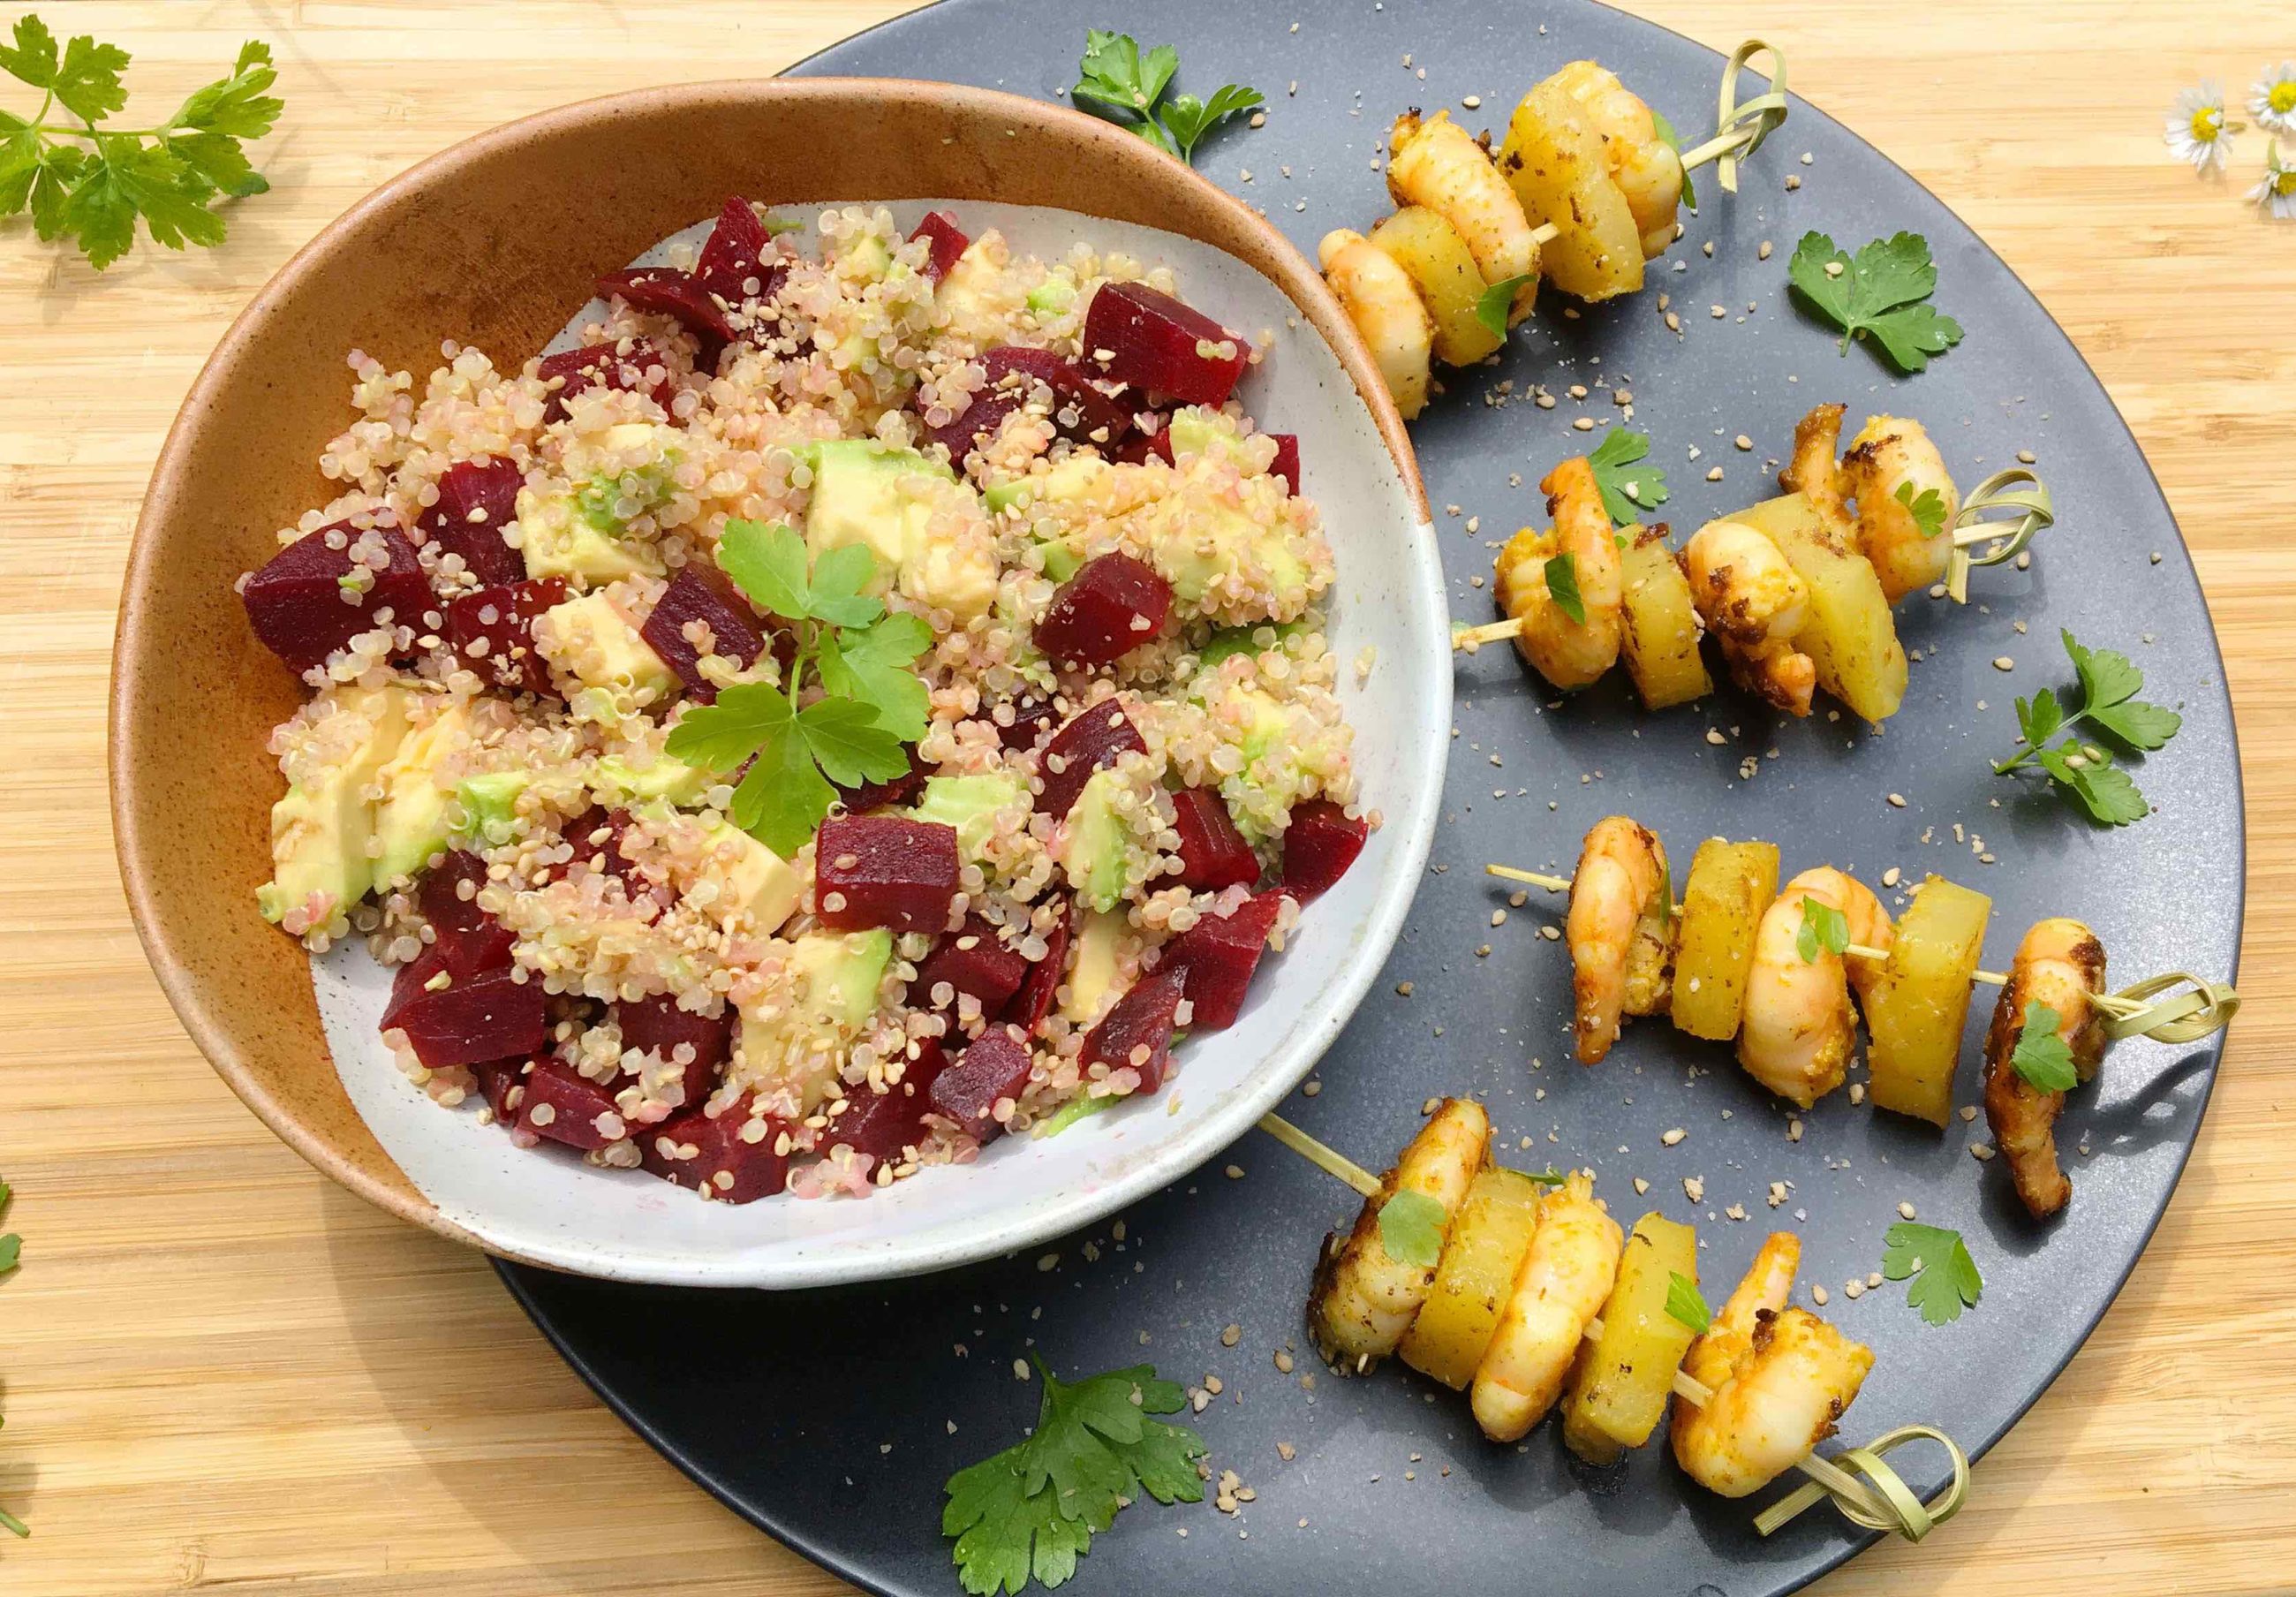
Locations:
(495, 242)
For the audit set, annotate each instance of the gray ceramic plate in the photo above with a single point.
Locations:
(827, 1420)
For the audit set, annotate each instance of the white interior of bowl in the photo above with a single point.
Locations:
(547, 1206)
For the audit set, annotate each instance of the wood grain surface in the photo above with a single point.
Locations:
(221, 1372)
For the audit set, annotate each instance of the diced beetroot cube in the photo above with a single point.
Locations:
(664, 290)
(979, 420)
(881, 1125)
(1032, 718)
(1213, 854)
(901, 790)
(994, 1065)
(565, 1107)
(493, 631)
(597, 834)
(477, 500)
(1318, 846)
(713, 1157)
(974, 961)
(883, 870)
(1042, 985)
(1113, 605)
(296, 602)
(658, 1026)
(1136, 1034)
(1093, 739)
(1082, 409)
(1286, 464)
(501, 1080)
(1156, 344)
(734, 256)
(1141, 447)
(693, 595)
(948, 243)
(489, 1016)
(470, 939)
(607, 366)
(1219, 953)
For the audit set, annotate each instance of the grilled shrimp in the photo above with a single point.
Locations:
(1750, 595)
(1436, 163)
(1365, 1299)
(1815, 473)
(2060, 964)
(1384, 304)
(1621, 951)
(1798, 1029)
(1567, 653)
(1564, 1281)
(1780, 1378)
(1645, 166)
(1891, 464)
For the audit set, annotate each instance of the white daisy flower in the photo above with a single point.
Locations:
(2275, 196)
(2197, 130)
(2272, 101)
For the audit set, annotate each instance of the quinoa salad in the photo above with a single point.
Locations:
(868, 699)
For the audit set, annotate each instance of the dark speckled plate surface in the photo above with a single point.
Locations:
(832, 1420)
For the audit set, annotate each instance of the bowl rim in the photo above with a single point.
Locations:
(213, 1033)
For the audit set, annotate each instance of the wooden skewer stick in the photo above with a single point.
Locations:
(1835, 1480)
(2136, 1011)
(1545, 232)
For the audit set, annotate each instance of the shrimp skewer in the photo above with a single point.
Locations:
(1892, 468)
(1618, 927)
(1570, 652)
(1797, 1028)
(1752, 598)
(2059, 966)
(1436, 163)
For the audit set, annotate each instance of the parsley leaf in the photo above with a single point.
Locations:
(872, 701)
(1945, 1277)
(1684, 1304)
(1493, 304)
(1674, 142)
(1882, 293)
(1411, 1229)
(91, 183)
(1118, 77)
(1927, 508)
(2041, 1056)
(1562, 587)
(1622, 490)
(1034, 1509)
(1824, 929)
(2110, 682)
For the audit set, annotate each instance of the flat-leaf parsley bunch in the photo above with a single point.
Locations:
(88, 181)
(870, 703)
(2081, 768)
(1117, 75)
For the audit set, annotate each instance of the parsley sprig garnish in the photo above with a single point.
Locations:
(1824, 929)
(85, 180)
(12, 1248)
(1626, 482)
(1034, 1509)
(2109, 704)
(1116, 76)
(1945, 1277)
(1411, 1229)
(2041, 1056)
(1881, 293)
(1562, 573)
(1926, 508)
(1493, 304)
(1685, 1304)
(870, 704)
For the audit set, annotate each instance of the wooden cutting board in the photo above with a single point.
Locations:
(220, 1370)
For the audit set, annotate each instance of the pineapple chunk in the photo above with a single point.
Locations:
(1475, 1276)
(1662, 631)
(1618, 1388)
(1850, 633)
(1553, 159)
(1427, 246)
(1917, 1010)
(1730, 885)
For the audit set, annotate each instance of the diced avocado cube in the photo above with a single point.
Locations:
(837, 982)
(1230, 641)
(750, 879)
(1069, 483)
(1195, 546)
(411, 820)
(319, 830)
(1074, 1110)
(1097, 843)
(1053, 296)
(1092, 975)
(666, 776)
(1195, 431)
(886, 500)
(864, 258)
(489, 802)
(559, 541)
(590, 640)
(971, 805)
